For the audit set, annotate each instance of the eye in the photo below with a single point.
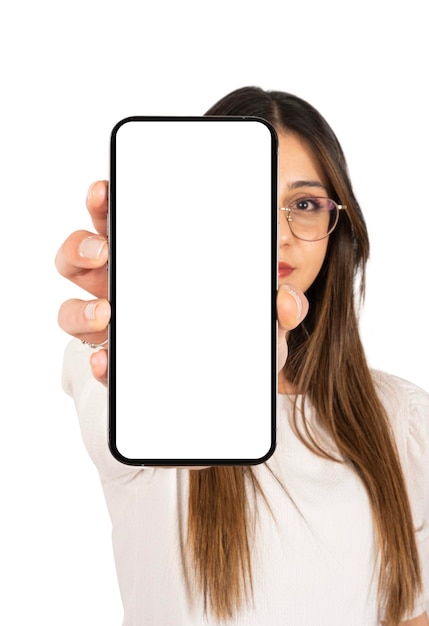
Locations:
(309, 204)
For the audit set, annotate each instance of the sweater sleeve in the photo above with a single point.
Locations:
(417, 476)
(408, 409)
(90, 398)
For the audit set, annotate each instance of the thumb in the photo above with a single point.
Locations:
(292, 307)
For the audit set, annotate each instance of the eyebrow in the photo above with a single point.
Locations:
(297, 184)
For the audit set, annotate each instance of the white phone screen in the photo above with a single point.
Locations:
(193, 267)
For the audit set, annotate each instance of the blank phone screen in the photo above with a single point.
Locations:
(192, 279)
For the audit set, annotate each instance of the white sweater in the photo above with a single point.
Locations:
(315, 565)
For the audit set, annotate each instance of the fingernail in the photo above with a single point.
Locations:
(97, 309)
(91, 247)
(89, 311)
(297, 299)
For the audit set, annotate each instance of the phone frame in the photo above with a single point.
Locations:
(112, 417)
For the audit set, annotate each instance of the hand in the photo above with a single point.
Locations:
(292, 307)
(82, 259)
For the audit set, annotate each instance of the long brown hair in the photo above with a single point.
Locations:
(327, 364)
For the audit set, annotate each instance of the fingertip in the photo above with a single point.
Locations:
(97, 205)
(97, 314)
(96, 195)
(98, 362)
(94, 248)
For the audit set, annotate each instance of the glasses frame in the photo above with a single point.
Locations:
(338, 208)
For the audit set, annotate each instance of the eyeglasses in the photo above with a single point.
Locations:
(312, 218)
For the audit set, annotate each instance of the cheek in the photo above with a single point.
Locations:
(320, 253)
(314, 256)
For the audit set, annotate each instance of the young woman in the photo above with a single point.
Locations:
(334, 529)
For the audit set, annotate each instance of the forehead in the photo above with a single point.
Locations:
(297, 163)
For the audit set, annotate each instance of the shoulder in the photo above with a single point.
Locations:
(392, 388)
(406, 403)
(407, 408)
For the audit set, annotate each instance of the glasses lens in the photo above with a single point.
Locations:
(312, 218)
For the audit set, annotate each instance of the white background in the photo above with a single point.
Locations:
(68, 73)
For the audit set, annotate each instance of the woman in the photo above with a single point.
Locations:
(334, 529)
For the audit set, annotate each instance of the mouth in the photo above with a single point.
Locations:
(285, 269)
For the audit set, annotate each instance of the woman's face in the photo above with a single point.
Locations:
(300, 176)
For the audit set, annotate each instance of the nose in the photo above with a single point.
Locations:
(285, 233)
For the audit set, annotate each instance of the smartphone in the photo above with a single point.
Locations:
(192, 285)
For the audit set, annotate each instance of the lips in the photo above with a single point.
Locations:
(285, 269)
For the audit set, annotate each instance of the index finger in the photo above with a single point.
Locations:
(96, 202)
